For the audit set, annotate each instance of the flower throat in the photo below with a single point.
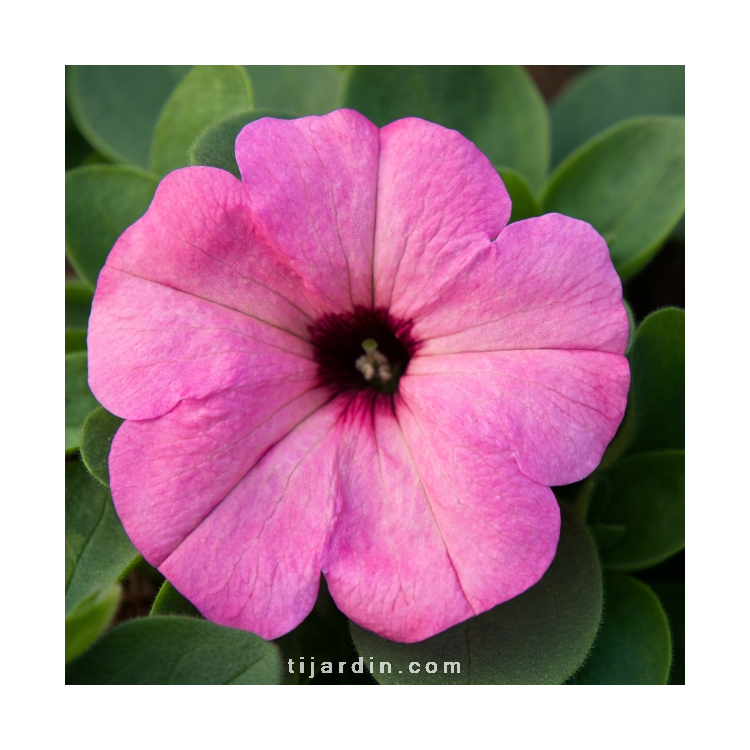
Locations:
(362, 350)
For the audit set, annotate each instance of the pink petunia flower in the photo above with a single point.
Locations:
(348, 363)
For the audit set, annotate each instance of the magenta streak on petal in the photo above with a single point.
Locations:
(387, 566)
(200, 236)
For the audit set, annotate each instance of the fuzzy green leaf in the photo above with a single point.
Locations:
(75, 341)
(79, 401)
(176, 651)
(525, 205)
(629, 183)
(97, 549)
(672, 598)
(604, 96)
(540, 637)
(646, 495)
(657, 364)
(169, 601)
(116, 106)
(88, 620)
(96, 440)
(101, 202)
(633, 646)
(206, 94)
(78, 298)
(498, 107)
(214, 146)
(297, 89)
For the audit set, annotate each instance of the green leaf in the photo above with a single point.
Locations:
(498, 107)
(323, 636)
(97, 549)
(116, 106)
(297, 89)
(169, 601)
(88, 620)
(206, 94)
(214, 146)
(633, 646)
(79, 401)
(76, 146)
(629, 183)
(672, 598)
(78, 297)
(96, 440)
(678, 233)
(525, 205)
(176, 651)
(602, 97)
(75, 341)
(540, 637)
(607, 534)
(657, 371)
(646, 495)
(101, 202)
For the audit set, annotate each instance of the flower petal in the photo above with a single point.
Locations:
(312, 183)
(254, 562)
(168, 474)
(191, 301)
(151, 346)
(546, 283)
(554, 411)
(199, 236)
(440, 202)
(430, 532)
(500, 527)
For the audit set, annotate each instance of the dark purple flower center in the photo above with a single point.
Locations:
(345, 354)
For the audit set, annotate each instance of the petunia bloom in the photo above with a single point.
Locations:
(346, 362)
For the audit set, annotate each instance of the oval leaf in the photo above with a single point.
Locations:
(169, 601)
(78, 298)
(647, 497)
(75, 341)
(79, 400)
(88, 620)
(96, 440)
(297, 89)
(672, 598)
(176, 651)
(525, 205)
(540, 637)
(206, 94)
(116, 106)
(657, 367)
(214, 146)
(497, 107)
(633, 647)
(97, 549)
(101, 202)
(604, 96)
(629, 184)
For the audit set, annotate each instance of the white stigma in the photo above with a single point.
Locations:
(373, 363)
